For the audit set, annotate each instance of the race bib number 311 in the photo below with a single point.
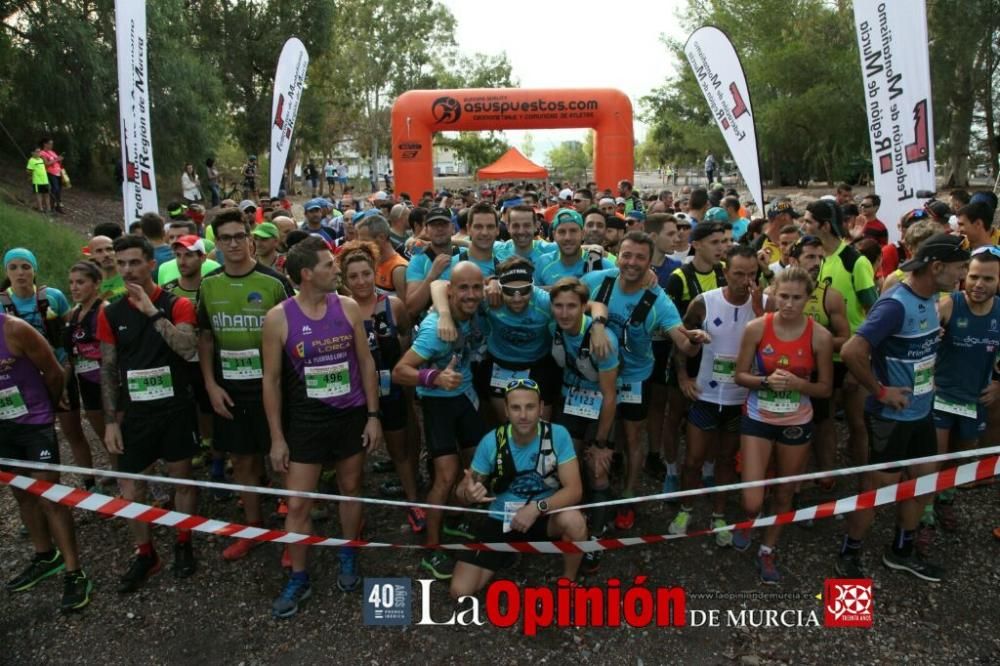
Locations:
(241, 365)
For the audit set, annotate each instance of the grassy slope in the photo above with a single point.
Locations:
(55, 245)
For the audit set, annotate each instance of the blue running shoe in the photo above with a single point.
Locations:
(297, 590)
(348, 578)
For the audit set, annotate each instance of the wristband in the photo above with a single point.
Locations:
(883, 391)
(158, 315)
(373, 415)
(427, 377)
(603, 321)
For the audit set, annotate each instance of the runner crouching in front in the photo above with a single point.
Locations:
(319, 373)
(147, 338)
(442, 373)
(526, 469)
(779, 354)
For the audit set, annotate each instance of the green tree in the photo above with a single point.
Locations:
(477, 149)
(568, 160)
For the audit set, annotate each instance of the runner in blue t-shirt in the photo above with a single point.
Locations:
(570, 260)
(431, 263)
(526, 469)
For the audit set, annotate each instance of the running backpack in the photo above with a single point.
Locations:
(547, 465)
(52, 328)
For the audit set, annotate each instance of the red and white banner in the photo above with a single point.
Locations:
(892, 42)
(139, 186)
(289, 80)
(720, 75)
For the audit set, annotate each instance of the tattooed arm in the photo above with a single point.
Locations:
(182, 338)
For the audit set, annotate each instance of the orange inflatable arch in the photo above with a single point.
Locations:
(418, 114)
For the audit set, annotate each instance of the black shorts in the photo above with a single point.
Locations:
(28, 442)
(839, 374)
(172, 437)
(490, 530)
(337, 438)
(546, 372)
(393, 412)
(451, 424)
(247, 434)
(580, 428)
(662, 350)
(200, 392)
(710, 417)
(85, 393)
(634, 411)
(892, 441)
(781, 434)
(41, 189)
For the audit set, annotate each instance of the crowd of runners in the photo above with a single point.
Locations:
(529, 349)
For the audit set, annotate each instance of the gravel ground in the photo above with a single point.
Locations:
(221, 615)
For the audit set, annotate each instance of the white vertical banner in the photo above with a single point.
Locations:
(289, 80)
(720, 75)
(895, 67)
(139, 186)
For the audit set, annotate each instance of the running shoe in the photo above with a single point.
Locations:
(625, 518)
(654, 466)
(295, 592)
(591, 561)
(184, 563)
(723, 539)
(37, 570)
(282, 509)
(671, 484)
(76, 591)
(946, 516)
(238, 549)
(383, 466)
(742, 539)
(913, 564)
(849, 566)
(460, 529)
(348, 578)
(142, 567)
(417, 518)
(680, 523)
(769, 574)
(391, 489)
(439, 564)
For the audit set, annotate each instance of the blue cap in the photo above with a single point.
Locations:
(636, 215)
(313, 204)
(716, 215)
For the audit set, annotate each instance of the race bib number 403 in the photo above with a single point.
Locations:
(152, 384)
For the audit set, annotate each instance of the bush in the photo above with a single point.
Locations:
(55, 245)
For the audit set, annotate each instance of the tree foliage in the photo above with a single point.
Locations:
(568, 160)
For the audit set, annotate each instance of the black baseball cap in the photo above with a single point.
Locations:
(939, 247)
(438, 215)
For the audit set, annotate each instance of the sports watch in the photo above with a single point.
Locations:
(542, 506)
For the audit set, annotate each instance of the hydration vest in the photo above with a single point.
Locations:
(639, 312)
(582, 364)
(547, 465)
(52, 328)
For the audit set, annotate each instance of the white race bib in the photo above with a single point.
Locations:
(85, 365)
(967, 409)
(583, 402)
(509, 509)
(241, 365)
(384, 383)
(11, 404)
(923, 376)
(327, 381)
(502, 376)
(152, 384)
(724, 369)
(778, 402)
(630, 393)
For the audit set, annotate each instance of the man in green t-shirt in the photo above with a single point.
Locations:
(231, 309)
(850, 273)
(39, 180)
(101, 251)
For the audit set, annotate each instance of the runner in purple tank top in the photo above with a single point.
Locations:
(319, 374)
(30, 380)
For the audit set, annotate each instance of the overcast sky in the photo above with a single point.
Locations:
(623, 50)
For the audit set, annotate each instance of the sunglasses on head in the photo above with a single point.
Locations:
(524, 291)
(529, 384)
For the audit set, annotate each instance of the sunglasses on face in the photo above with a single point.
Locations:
(524, 291)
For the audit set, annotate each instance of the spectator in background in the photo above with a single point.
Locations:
(54, 169)
(710, 167)
(312, 177)
(845, 194)
(212, 174)
(330, 173)
(190, 184)
(39, 180)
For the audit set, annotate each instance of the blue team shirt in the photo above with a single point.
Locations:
(523, 337)
(967, 353)
(438, 353)
(528, 483)
(572, 343)
(902, 329)
(553, 268)
(637, 360)
(539, 248)
(420, 265)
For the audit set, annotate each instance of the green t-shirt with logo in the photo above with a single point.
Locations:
(113, 288)
(233, 308)
(36, 165)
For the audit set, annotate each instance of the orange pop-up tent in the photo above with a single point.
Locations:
(513, 165)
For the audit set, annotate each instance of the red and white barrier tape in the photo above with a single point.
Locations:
(81, 499)
(280, 492)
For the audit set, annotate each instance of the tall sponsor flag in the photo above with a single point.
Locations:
(720, 75)
(289, 80)
(139, 186)
(892, 41)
